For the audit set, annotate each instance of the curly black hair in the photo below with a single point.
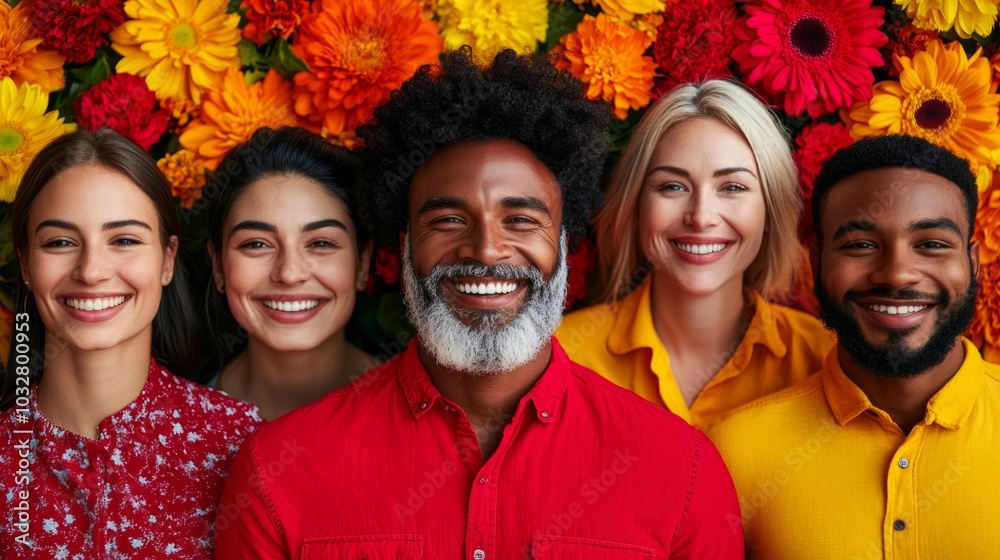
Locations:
(523, 98)
(869, 154)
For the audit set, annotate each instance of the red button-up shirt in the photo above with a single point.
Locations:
(389, 468)
(146, 488)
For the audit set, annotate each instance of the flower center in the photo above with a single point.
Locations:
(11, 139)
(366, 55)
(932, 114)
(811, 37)
(183, 36)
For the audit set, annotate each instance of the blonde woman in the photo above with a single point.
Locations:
(696, 238)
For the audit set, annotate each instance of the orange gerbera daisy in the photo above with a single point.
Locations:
(21, 56)
(988, 222)
(988, 308)
(181, 47)
(942, 96)
(358, 51)
(609, 58)
(232, 113)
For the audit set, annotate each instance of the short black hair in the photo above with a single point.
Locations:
(523, 98)
(880, 152)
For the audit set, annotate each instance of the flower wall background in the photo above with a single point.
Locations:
(189, 79)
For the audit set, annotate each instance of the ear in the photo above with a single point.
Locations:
(974, 258)
(169, 258)
(364, 266)
(217, 276)
(22, 259)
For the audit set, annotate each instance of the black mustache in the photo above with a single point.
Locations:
(901, 294)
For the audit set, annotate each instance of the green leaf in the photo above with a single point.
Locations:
(88, 76)
(563, 19)
(255, 75)
(284, 60)
(249, 55)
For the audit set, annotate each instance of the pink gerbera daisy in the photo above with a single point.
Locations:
(810, 55)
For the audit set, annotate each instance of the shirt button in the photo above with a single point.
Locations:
(898, 525)
(545, 414)
(479, 554)
(904, 462)
(423, 405)
(483, 480)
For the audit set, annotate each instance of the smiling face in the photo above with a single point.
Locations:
(95, 260)
(289, 263)
(896, 276)
(701, 211)
(484, 265)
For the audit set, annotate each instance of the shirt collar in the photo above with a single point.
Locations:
(949, 407)
(546, 395)
(634, 329)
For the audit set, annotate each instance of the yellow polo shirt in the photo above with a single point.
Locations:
(781, 346)
(823, 474)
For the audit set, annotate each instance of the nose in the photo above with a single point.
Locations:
(702, 211)
(92, 267)
(895, 267)
(290, 268)
(485, 244)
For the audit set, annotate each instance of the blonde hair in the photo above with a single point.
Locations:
(620, 259)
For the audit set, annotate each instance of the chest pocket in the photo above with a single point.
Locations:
(364, 547)
(575, 548)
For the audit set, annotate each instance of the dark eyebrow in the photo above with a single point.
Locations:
(855, 225)
(939, 223)
(730, 170)
(125, 223)
(61, 224)
(526, 203)
(253, 225)
(442, 203)
(320, 224)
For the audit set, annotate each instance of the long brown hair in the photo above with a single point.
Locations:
(173, 325)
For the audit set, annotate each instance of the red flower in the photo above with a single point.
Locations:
(387, 265)
(75, 28)
(581, 265)
(125, 104)
(814, 145)
(694, 42)
(810, 55)
(267, 19)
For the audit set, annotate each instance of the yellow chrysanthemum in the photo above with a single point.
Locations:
(647, 23)
(486, 25)
(181, 47)
(942, 96)
(627, 9)
(234, 111)
(21, 55)
(186, 175)
(608, 57)
(25, 128)
(966, 16)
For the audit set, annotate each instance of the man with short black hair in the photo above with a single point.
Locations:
(889, 451)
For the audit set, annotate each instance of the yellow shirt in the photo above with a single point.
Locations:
(823, 474)
(781, 346)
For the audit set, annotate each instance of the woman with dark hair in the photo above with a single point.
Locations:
(288, 257)
(111, 455)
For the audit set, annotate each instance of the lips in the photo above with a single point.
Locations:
(93, 308)
(486, 288)
(701, 250)
(290, 306)
(895, 314)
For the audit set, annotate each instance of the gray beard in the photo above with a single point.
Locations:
(497, 343)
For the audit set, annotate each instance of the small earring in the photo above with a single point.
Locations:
(27, 283)
(169, 277)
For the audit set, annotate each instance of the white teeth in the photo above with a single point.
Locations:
(487, 289)
(290, 306)
(95, 304)
(700, 249)
(897, 310)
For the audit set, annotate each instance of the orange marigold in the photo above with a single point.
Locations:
(988, 308)
(609, 58)
(988, 222)
(22, 57)
(182, 111)
(907, 41)
(358, 51)
(267, 19)
(232, 113)
(186, 175)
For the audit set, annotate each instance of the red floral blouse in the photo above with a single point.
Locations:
(147, 487)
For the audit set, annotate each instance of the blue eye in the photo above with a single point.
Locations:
(671, 187)
(734, 187)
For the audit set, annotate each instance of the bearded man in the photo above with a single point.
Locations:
(482, 440)
(888, 452)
